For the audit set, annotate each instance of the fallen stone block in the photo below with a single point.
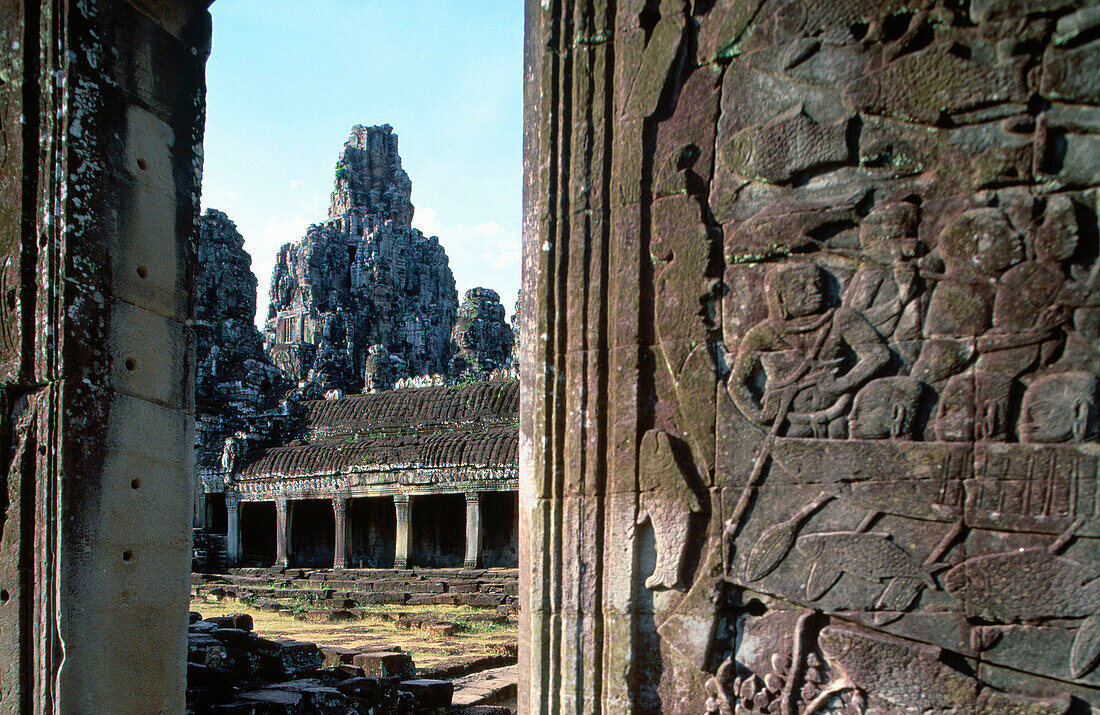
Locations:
(242, 621)
(316, 695)
(205, 650)
(233, 637)
(428, 693)
(385, 664)
(372, 692)
(201, 627)
(291, 701)
(479, 600)
(295, 657)
(204, 677)
(333, 655)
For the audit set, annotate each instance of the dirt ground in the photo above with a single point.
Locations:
(471, 638)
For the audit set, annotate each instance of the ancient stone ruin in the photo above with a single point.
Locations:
(406, 478)
(808, 415)
(287, 478)
(484, 339)
(364, 286)
(237, 389)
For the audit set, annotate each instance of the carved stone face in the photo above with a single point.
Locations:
(1059, 408)
(974, 407)
(795, 291)
(884, 409)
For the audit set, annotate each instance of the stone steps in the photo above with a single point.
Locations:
(349, 589)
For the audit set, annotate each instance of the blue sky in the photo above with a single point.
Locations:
(286, 81)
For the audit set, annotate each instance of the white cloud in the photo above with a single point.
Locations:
(485, 254)
(263, 245)
(427, 220)
(297, 183)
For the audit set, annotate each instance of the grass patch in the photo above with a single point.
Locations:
(474, 638)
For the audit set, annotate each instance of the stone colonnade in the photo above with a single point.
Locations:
(403, 533)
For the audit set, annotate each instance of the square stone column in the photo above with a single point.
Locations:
(340, 548)
(403, 506)
(101, 111)
(233, 527)
(473, 530)
(283, 519)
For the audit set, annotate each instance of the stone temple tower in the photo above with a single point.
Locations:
(363, 278)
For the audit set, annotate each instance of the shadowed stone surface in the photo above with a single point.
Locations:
(236, 386)
(810, 400)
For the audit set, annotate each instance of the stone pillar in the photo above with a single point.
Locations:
(99, 179)
(783, 326)
(473, 530)
(340, 543)
(233, 527)
(403, 548)
(283, 517)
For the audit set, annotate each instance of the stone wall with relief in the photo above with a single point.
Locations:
(811, 406)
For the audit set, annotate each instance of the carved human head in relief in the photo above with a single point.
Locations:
(974, 407)
(885, 409)
(1059, 408)
(795, 290)
(982, 239)
(889, 231)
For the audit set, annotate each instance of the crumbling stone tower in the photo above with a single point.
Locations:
(234, 381)
(482, 337)
(362, 278)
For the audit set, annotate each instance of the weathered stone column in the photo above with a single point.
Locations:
(340, 548)
(101, 108)
(473, 530)
(233, 527)
(811, 287)
(403, 531)
(283, 516)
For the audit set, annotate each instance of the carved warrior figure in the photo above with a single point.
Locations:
(812, 356)
(667, 501)
(887, 288)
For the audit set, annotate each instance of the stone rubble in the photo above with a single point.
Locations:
(230, 669)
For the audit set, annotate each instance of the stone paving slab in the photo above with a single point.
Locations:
(485, 688)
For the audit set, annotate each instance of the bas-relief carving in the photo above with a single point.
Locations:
(905, 340)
